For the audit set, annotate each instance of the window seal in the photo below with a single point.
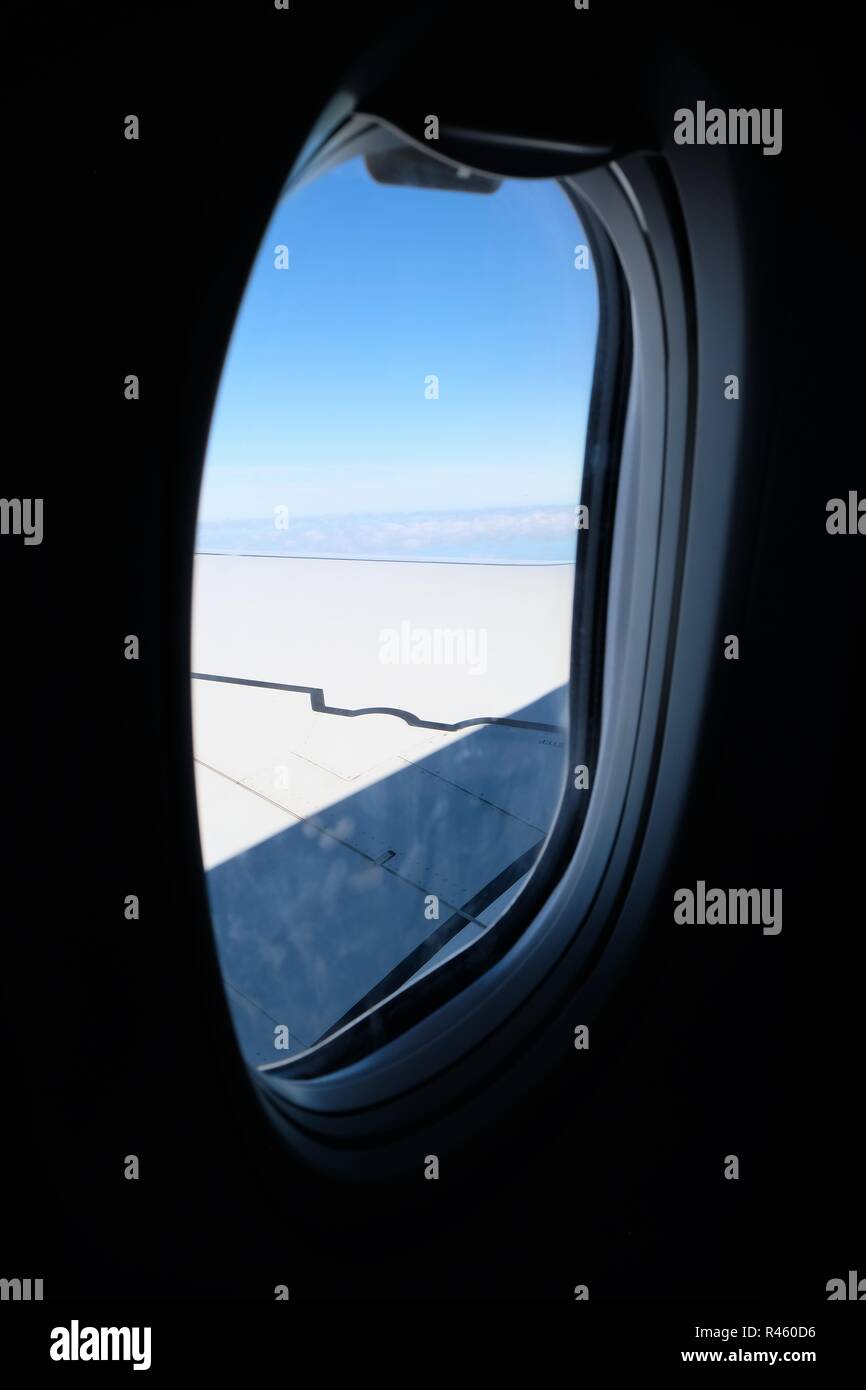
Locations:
(505, 1028)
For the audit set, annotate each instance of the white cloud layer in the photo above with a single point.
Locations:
(542, 534)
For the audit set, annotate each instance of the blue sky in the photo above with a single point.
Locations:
(321, 407)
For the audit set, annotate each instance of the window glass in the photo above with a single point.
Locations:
(383, 587)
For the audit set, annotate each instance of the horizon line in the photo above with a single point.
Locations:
(383, 559)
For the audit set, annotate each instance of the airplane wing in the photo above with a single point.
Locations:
(379, 753)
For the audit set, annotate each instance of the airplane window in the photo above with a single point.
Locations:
(384, 585)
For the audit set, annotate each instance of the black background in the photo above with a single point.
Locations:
(131, 257)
